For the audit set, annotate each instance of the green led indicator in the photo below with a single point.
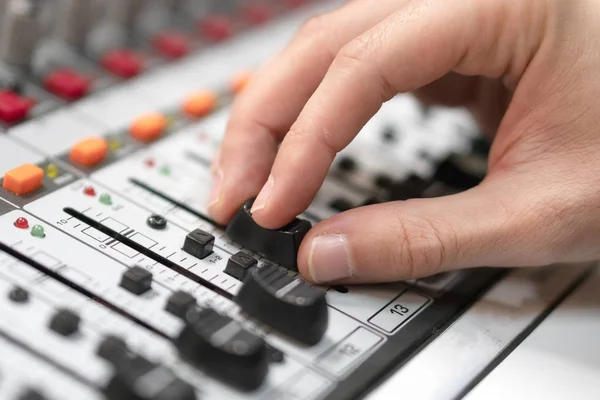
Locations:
(38, 231)
(165, 170)
(105, 199)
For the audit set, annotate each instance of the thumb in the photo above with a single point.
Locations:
(484, 226)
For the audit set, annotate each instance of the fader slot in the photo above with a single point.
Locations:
(54, 275)
(174, 201)
(147, 252)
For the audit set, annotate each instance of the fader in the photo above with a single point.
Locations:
(116, 284)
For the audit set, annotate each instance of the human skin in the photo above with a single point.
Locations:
(527, 69)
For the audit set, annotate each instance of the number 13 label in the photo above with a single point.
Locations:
(399, 310)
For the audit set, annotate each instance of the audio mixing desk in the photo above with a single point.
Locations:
(115, 283)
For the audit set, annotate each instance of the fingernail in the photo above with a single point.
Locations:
(329, 259)
(215, 193)
(264, 196)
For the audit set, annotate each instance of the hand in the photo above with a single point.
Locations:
(528, 69)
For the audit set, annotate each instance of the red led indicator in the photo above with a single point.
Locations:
(150, 162)
(89, 191)
(22, 223)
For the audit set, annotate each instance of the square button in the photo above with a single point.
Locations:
(23, 179)
(67, 84)
(14, 108)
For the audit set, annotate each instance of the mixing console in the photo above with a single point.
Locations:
(114, 281)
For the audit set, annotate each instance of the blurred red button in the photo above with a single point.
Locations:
(257, 13)
(172, 45)
(124, 63)
(67, 84)
(14, 108)
(216, 27)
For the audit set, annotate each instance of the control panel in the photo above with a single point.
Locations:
(114, 281)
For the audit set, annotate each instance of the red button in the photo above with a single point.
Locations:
(172, 45)
(124, 63)
(67, 83)
(14, 108)
(216, 28)
(257, 13)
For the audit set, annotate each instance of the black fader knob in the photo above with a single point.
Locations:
(239, 264)
(179, 303)
(112, 349)
(136, 378)
(278, 245)
(199, 243)
(288, 305)
(222, 348)
(136, 280)
(65, 322)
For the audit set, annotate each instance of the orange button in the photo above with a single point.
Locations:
(23, 179)
(200, 104)
(148, 127)
(89, 151)
(240, 81)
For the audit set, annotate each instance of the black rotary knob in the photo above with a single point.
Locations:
(278, 245)
(288, 305)
(157, 222)
(222, 348)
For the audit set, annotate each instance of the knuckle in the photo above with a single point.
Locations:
(424, 246)
(315, 27)
(355, 53)
(364, 54)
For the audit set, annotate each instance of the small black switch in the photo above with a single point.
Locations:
(340, 204)
(18, 295)
(277, 245)
(31, 394)
(179, 303)
(288, 305)
(136, 280)
(65, 322)
(383, 181)
(157, 222)
(223, 349)
(347, 164)
(389, 134)
(112, 349)
(199, 243)
(239, 264)
(275, 355)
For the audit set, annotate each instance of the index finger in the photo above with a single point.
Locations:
(264, 112)
(410, 49)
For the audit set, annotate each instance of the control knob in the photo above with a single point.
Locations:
(222, 348)
(289, 305)
(279, 246)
